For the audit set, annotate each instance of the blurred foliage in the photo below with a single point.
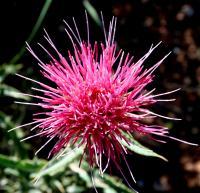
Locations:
(59, 175)
(92, 11)
(20, 173)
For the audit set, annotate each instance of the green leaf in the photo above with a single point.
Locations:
(56, 165)
(75, 189)
(21, 165)
(109, 184)
(116, 184)
(81, 172)
(6, 124)
(92, 11)
(7, 69)
(34, 191)
(109, 190)
(59, 185)
(9, 91)
(136, 147)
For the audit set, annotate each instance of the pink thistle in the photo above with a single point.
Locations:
(92, 105)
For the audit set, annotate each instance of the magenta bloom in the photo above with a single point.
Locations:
(91, 104)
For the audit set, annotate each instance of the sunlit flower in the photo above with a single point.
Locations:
(91, 104)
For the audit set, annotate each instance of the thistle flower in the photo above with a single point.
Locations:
(92, 105)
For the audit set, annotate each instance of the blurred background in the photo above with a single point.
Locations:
(140, 23)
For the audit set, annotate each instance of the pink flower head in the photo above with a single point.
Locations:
(91, 104)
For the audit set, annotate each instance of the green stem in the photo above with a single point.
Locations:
(34, 31)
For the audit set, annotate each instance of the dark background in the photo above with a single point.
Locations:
(140, 23)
